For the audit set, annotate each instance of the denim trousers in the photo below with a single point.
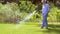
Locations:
(44, 21)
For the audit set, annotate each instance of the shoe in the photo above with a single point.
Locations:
(46, 28)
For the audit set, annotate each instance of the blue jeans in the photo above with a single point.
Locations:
(44, 21)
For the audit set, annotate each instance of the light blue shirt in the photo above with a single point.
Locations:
(45, 9)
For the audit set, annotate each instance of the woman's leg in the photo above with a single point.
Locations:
(44, 22)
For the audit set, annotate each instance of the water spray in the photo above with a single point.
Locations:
(26, 18)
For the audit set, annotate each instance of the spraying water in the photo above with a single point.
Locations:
(8, 10)
(26, 18)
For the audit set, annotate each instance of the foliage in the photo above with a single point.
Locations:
(11, 10)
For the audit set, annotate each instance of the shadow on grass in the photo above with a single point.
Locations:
(53, 29)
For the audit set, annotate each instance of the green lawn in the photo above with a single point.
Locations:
(29, 28)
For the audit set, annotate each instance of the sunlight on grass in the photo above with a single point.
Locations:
(29, 29)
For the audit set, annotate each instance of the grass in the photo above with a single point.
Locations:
(29, 28)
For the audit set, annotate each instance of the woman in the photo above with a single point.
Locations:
(45, 11)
